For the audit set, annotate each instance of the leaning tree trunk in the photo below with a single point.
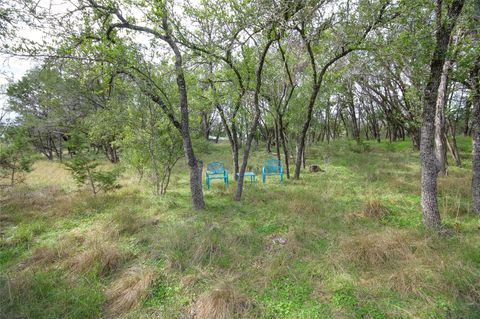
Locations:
(317, 83)
(431, 214)
(253, 129)
(232, 139)
(195, 166)
(230, 130)
(452, 146)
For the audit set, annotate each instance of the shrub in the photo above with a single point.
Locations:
(360, 147)
(15, 156)
(84, 169)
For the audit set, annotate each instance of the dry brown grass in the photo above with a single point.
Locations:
(96, 247)
(41, 256)
(107, 256)
(44, 201)
(410, 280)
(39, 198)
(396, 260)
(49, 255)
(49, 173)
(371, 251)
(302, 206)
(374, 209)
(455, 183)
(128, 290)
(188, 281)
(222, 302)
(473, 293)
(129, 221)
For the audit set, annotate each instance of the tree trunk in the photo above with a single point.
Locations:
(303, 132)
(284, 145)
(415, 136)
(317, 83)
(253, 129)
(431, 214)
(277, 140)
(475, 93)
(466, 129)
(232, 138)
(476, 142)
(327, 123)
(474, 76)
(452, 146)
(194, 164)
(206, 126)
(353, 116)
(440, 141)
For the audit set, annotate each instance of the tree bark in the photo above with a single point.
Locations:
(475, 93)
(466, 129)
(194, 164)
(353, 117)
(440, 141)
(284, 145)
(476, 138)
(277, 140)
(253, 129)
(206, 125)
(431, 214)
(452, 146)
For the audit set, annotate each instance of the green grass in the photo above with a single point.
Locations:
(355, 246)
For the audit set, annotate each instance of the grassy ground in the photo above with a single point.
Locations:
(355, 246)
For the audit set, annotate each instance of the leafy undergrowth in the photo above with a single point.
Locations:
(344, 243)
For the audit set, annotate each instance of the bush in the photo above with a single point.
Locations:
(359, 148)
(84, 169)
(15, 156)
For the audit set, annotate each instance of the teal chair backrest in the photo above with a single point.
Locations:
(272, 166)
(215, 168)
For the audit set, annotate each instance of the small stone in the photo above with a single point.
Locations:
(279, 240)
(315, 168)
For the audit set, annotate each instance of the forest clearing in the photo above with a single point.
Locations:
(355, 246)
(222, 159)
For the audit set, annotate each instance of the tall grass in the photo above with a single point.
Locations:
(343, 243)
